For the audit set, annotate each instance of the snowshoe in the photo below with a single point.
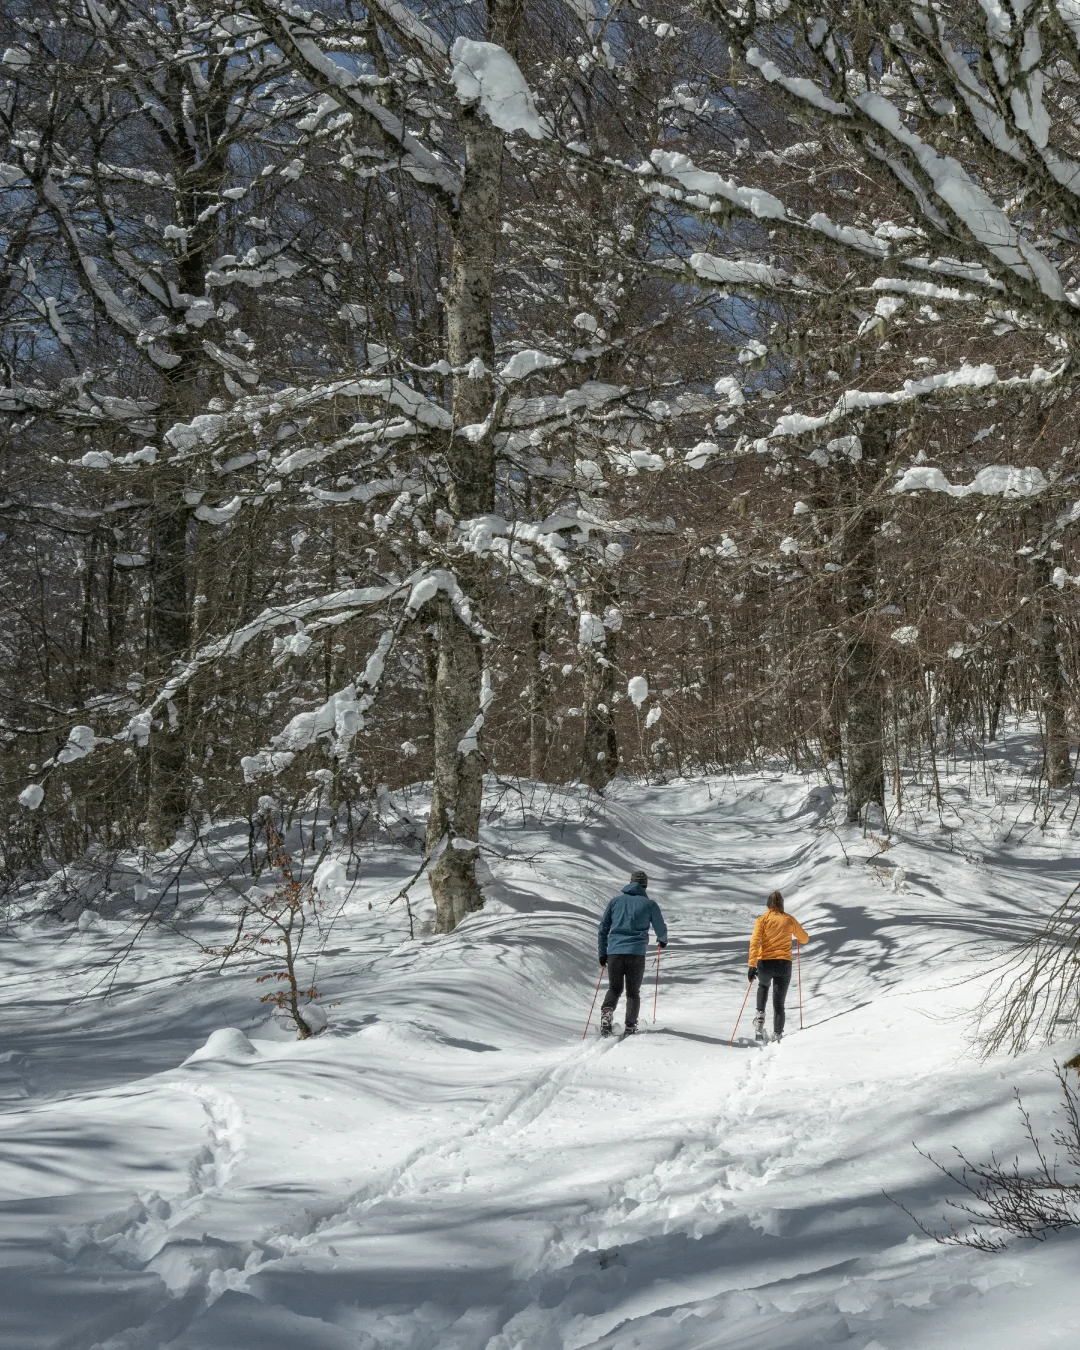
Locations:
(607, 1016)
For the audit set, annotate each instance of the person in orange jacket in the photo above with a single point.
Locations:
(770, 961)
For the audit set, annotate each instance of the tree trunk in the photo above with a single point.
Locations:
(456, 701)
(169, 634)
(600, 748)
(865, 762)
(539, 696)
(1052, 684)
(458, 785)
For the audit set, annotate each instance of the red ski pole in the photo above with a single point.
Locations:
(656, 990)
(741, 1011)
(592, 1005)
(798, 954)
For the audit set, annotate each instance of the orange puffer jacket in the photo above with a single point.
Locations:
(772, 937)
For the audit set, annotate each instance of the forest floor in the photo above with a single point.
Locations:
(449, 1165)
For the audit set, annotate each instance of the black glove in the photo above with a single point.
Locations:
(662, 945)
(603, 962)
(751, 975)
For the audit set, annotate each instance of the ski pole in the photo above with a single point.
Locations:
(741, 1011)
(656, 990)
(798, 955)
(592, 1005)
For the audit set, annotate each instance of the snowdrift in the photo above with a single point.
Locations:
(449, 1165)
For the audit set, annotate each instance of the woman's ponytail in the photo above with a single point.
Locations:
(776, 902)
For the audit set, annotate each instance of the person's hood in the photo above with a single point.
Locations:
(634, 888)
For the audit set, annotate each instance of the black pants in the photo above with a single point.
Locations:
(632, 970)
(777, 974)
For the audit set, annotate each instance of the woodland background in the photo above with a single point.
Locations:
(405, 394)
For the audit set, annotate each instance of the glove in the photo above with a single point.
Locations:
(603, 962)
(751, 974)
(662, 946)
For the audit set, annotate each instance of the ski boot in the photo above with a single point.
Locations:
(759, 1028)
(629, 1030)
(607, 1016)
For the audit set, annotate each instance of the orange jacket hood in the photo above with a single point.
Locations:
(772, 937)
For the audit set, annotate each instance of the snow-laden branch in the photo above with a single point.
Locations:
(342, 714)
(967, 378)
(297, 40)
(997, 480)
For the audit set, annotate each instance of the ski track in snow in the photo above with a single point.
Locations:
(664, 1192)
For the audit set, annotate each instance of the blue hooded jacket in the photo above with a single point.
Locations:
(624, 929)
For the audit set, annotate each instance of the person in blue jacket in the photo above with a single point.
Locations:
(622, 943)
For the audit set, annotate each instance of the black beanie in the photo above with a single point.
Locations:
(640, 878)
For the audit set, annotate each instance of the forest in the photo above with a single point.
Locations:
(543, 390)
(455, 455)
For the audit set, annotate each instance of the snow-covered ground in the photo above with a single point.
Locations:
(450, 1166)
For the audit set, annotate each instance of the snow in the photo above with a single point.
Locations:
(734, 272)
(997, 480)
(802, 88)
(523, 364)
(987, 222)
(469, 743)
(449, 1166)
(906, 635)
(219, 515)
(484, 73)
(729, 387)
(699, 455)
(638, 690)
(81, 740)
(966, 376)
(848, 234)
(755, 201)
(32, 796)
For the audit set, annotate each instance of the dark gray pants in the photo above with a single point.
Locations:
(777, 974)
(630, 969)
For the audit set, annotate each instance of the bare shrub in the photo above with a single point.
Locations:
(1009, 1201)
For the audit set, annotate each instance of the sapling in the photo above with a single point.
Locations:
(273, 923)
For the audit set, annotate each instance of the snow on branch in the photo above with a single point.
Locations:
(737, 274)
(485, 74)
(967, 378)
(997, 480)
(296, 39)
(342, 714)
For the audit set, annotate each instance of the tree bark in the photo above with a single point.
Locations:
(600, 747)
(169, 632)
(454, 820)
(456, 697)
(1052, 687)
(539, 695)
(865, 765)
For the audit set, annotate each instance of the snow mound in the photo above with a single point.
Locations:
(225, 1043)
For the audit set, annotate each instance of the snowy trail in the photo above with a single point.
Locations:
(460, 1171)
